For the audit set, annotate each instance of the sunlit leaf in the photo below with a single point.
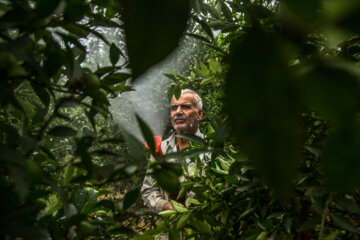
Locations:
(178, 207)
(205, 26)
(167, 213)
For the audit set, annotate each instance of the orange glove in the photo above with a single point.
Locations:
(158, 151)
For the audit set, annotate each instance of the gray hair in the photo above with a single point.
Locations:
(198, 101)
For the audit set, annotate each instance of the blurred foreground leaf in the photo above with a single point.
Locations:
(261, 102)
(152, 29)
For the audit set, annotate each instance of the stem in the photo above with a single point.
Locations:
(324, 214)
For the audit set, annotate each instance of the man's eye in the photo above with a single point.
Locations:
(185, 106)
(174, 107)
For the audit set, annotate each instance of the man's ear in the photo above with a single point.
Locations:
(200, 114)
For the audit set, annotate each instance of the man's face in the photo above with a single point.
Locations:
(184, 116)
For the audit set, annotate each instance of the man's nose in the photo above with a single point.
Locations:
(179, 110)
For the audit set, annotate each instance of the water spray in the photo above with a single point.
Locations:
(150, 100)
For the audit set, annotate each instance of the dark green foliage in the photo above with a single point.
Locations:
(53, 139)
(280, 86)
(293, 105)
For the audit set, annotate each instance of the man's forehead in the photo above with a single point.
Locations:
(184, 98)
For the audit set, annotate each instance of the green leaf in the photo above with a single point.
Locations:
(53, 204)
(147, 134)
(100, 20)
(178, 206)
(226, 11)
(310, 224)
(130, 198)
(167, 180)
(167, 213)
(222, 131)
(152, 29)
(42, 93)
(307, 9)
(201, 226)
(115, 78)
(86, 228)
(75, 10)
(97, 34)
(213, 11)
(171, 77)
(172, 166)
(340, 159)
(267, 127)
(104, 70)
(30, 232)
(201, 38)
(62, 131)
(349, 20)
(186, 153)
(69, 173)
(193, 138)
(322, 84)
(190, 201)
(182, 221)
(275, 215)
(177, 92)
(261, 236)
(114, 54)
(174, 234)
(348, 205)
(44, 7)
(332, 236)
(77, 30)
(344, 223)
(205, 26)
(83, 145)
(122, 88)
(135, 146)
(170, 94)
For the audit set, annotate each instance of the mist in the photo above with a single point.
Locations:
(149, 99)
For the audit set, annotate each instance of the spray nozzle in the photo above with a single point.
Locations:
(157, 142)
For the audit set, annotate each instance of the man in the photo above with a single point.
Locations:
(186, 113)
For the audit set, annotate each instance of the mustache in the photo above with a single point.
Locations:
(180, 117)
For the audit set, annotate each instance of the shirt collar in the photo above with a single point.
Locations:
(171, 140)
